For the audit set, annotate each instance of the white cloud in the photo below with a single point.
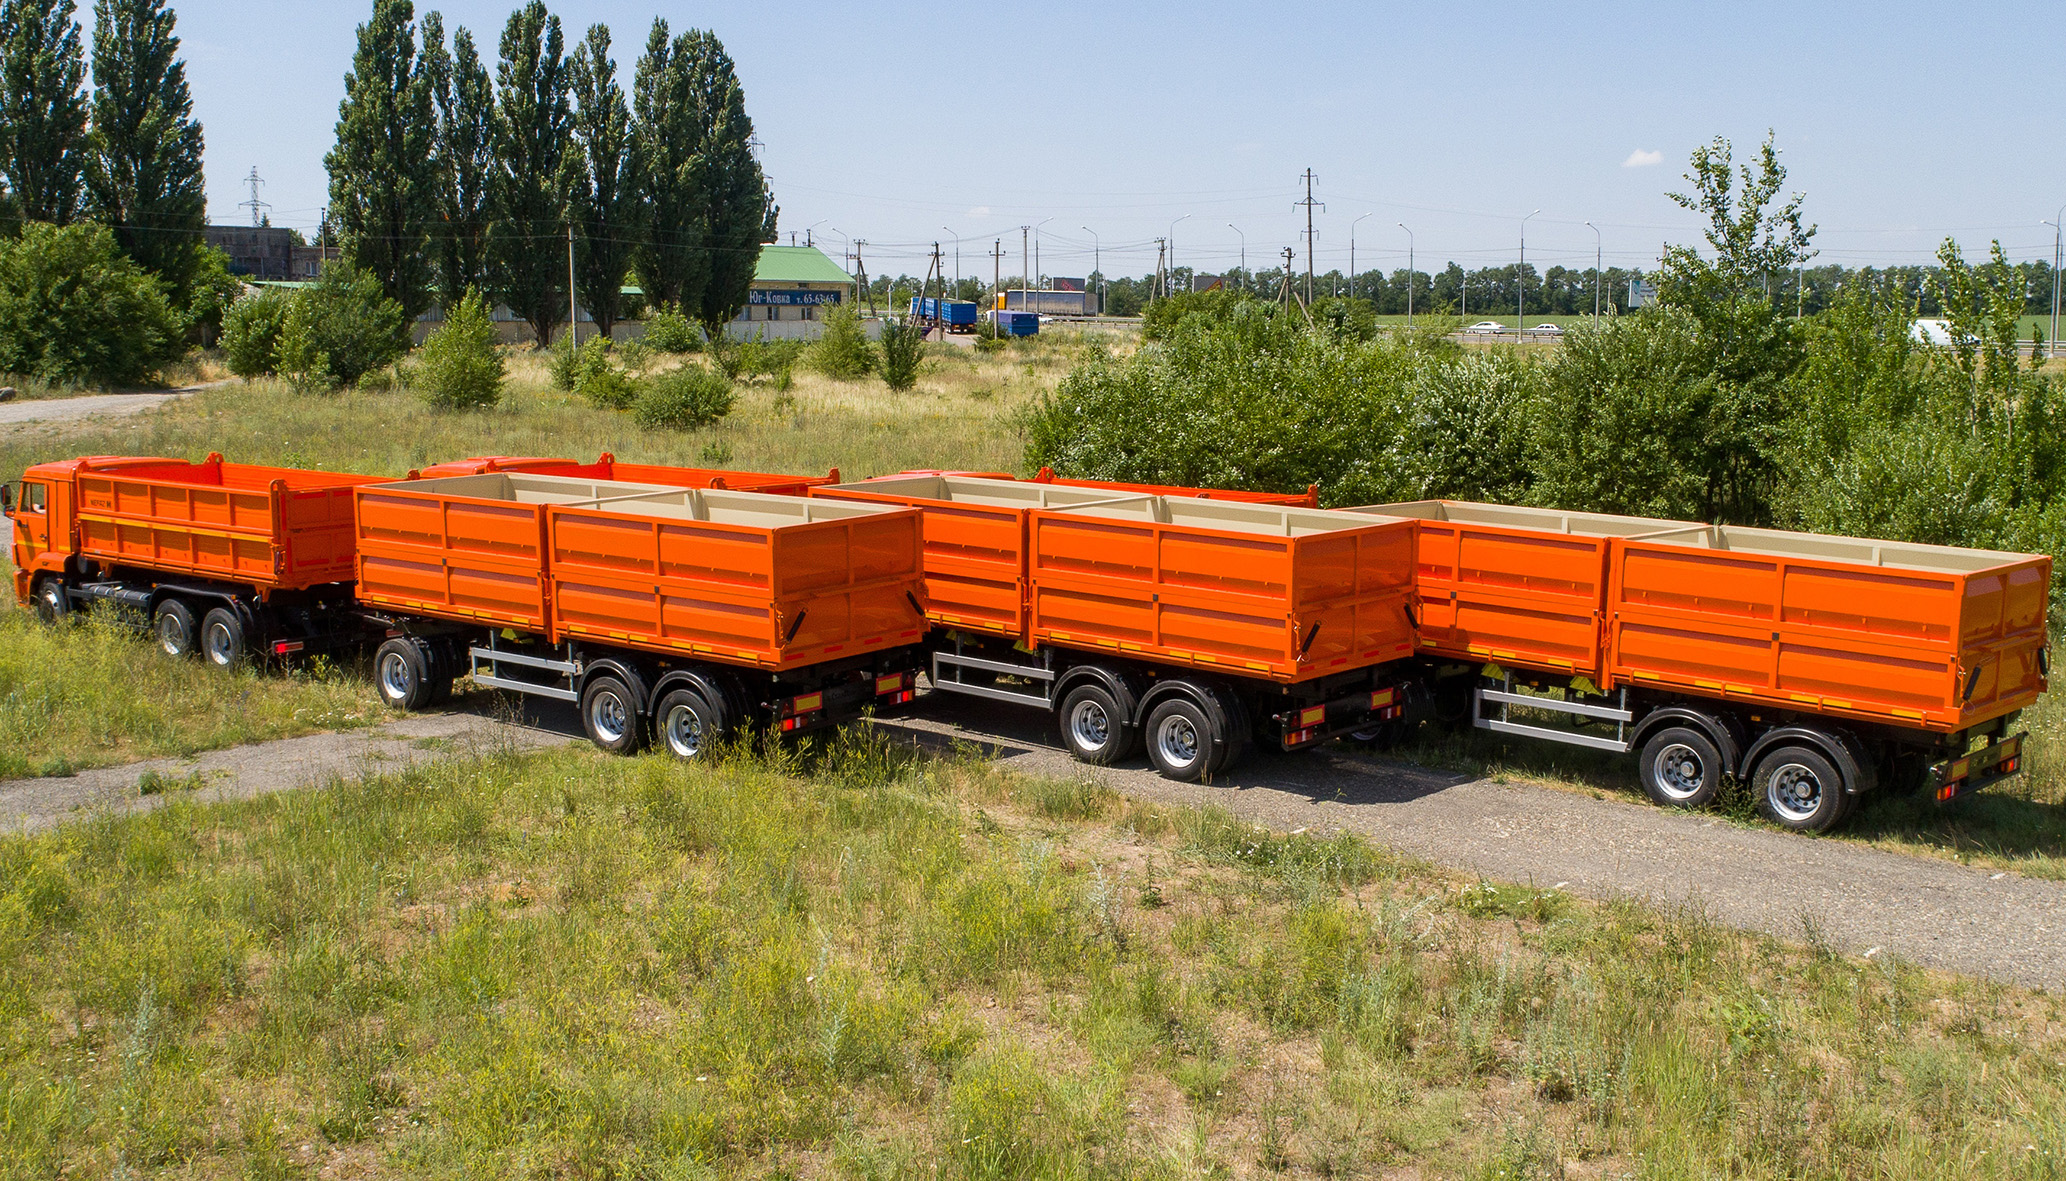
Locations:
(980, 211)
(1642, 159)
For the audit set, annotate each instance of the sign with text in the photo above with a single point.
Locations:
(789, 297)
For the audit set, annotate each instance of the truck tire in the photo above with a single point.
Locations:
(49, 597)
(401, 671)
(687, 726)
(1680, 768)
(1094, 729)
(609, 715)
(1798, 788)
(222, 638)
(1181, 740)
(175, 629)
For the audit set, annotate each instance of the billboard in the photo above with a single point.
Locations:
(1058, 284)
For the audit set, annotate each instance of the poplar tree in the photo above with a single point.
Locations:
(527, 261)
(383, 181)
(705, 202)
(42, 108)
(464, 97)
(604, 192)
(143, 166)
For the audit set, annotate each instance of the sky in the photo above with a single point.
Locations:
(1112, 125)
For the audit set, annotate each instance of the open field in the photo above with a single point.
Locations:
(873, 966)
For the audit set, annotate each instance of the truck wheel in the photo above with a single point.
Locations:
(688, 725)
(401, 668)
(174, 626)
(1681, 768)
(222, 638)
(1094, 728)
(1797, 788)
(1180, 740)
(609, 717)
(50, 600)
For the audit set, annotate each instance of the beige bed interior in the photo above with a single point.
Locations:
(1020, 494)
(1781, 543)
(764, 510)
(1548, 520)
(1233, 516)
(525, 488)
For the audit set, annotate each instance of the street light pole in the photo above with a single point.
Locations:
(1172, 249)
(1244, 254)
(2052, 345)
(957, 262)
(1036, 251)
(1410, 276)
(1599, 254)
(1352, 255)
(1097, 262)
(1521, 281)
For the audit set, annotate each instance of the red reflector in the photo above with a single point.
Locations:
(1312, 715)
(2008, 766)
(1382, 698)
(1299, 737)
(282, 647)
(1947, 791)
(791, 723)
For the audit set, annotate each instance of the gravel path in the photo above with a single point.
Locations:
(241, 772)
(91, 405)
(1860, 900)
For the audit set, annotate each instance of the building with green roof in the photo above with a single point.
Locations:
(792, 283)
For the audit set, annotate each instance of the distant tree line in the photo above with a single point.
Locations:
(107, 178)
(446, 179)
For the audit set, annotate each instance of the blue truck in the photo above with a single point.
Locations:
(1016, 323)
(956, 315)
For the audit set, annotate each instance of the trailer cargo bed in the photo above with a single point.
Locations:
(608, 468)
(1917, 635)
(1265, 591)
(1518, 586)
(271, 528)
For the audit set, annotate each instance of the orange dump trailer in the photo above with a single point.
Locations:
(625, 597)
(608, 468)
(1310, 498)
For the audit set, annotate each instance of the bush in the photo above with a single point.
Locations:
(903, 346)
(608, 387)
(769, 358)
(684, 399)
(842, 353)
(340, 329)
(668, 331)
(569, 367)
(462, 369)
(1164, 315)
(251, 331)
(75, 311)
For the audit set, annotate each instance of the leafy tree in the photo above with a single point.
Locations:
(464, 97)
(383, 168)
(604, 194)
(841, 352)
(75, 309)
(528, 184)
(42, 108)
(462, 368)
(340, 329)
(251, 330)
(143, 169)
(706, 204)
(684, 399)
(214, 290)
(903, 346)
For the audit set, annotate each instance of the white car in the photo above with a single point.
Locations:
(1546, 330)
(1486, 327)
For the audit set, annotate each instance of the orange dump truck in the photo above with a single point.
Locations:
(1192, 624)
(222, 558)
(607, 468)
(684, 613)
(1813, 667)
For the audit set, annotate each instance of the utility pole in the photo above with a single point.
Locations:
(1025, 263)
(2052, 345)
(254, 204)
(1161, 254)
(996, 270)
(861, 269)
(1097, 263)
(1598, 255)
(1521, 280)
(1289, 254)
(957, 264)
(1244, 254)
(1411, 276)
(1309, 203)
(1352, 256)
(573, 311)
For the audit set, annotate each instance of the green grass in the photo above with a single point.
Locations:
(857, 963)
(95, 693)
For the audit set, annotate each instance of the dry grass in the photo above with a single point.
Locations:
(863, 964)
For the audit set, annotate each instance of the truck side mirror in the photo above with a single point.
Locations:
(6, 498)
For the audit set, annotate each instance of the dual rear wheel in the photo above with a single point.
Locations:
(1795, 786)
(1187, 738)
(217, 636)
(684, 722)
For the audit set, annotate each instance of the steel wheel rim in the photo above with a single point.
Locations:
(1177, 739)
(171, 636)
(217, 639)
(606, 715)
(684, 732)
(50, 604)
(1090, 725)
(1679, 771)
(394, 676)
(1795, 792)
